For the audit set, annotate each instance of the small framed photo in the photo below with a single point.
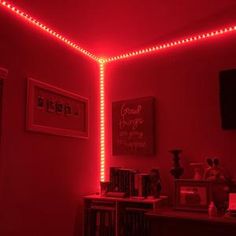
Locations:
(192, 195)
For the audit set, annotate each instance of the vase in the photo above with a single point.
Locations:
(176, 170)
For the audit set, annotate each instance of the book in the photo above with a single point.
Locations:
(142, 184)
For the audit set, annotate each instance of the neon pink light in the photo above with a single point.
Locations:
(52, 33)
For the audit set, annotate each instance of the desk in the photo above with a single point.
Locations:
(168, 222)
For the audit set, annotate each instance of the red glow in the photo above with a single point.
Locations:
(145, 51)
(46, 29)
(102, 122)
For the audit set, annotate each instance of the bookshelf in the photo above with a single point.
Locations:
(111, 216)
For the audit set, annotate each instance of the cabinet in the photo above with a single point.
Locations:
(178, 223)
(110, 216)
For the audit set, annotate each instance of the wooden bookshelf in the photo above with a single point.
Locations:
(110, 216)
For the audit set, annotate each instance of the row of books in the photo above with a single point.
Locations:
(134, 223)
(101, 221)
(129, 181)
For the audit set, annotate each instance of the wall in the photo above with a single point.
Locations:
(184, 81)
(42, 177)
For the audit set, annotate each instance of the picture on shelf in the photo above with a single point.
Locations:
(192, 194)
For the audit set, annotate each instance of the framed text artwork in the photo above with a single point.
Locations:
(133, 127)
(56, 111)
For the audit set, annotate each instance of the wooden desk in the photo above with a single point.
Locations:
(167, 222)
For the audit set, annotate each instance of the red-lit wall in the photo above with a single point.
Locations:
(42, 177)
(184, 81)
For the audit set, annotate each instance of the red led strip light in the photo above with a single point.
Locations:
(155, 49)
(102, 121)
(102, 62)
(46, 29)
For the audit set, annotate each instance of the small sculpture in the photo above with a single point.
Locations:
(214, 172)
(177, 170)
(220, 183)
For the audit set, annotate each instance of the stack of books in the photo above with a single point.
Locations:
(101, 215)
(129, 182)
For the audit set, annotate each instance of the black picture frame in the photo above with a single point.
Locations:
(192, 195)
(133, 127)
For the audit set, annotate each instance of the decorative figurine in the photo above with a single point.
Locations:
(220, 183)
(177, 170)
(155, 183)
(214, 172)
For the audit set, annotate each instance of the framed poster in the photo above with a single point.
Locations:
(56, 111)
(133, 127)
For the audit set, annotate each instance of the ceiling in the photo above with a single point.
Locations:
(111, 27)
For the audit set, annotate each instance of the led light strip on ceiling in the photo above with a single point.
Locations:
(46, 29)
(102, 61)
(171, 44)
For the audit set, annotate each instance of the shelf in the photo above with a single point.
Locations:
(126, 215)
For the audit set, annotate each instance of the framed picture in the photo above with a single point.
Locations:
(193, 195)
(133, 127)
(56, 111)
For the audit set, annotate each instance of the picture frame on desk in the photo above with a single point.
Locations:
(192, 195)
(56, 111)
